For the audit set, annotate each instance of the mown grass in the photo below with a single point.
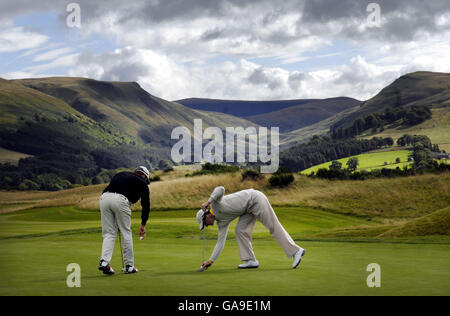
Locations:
(371, 161)
(344, 225)
(171, 253)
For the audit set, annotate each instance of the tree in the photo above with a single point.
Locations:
(281, 180)
(335, 165)
(389, 141)
(352, 164)
(359, 125)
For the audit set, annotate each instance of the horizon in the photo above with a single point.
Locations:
(228, 50)
(214, 99)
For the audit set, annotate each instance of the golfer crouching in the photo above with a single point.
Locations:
(125, 189)
(248, 205)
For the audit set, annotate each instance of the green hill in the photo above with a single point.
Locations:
(437, 128)
(304, 134)
(414, 89)
(302, 115)
(371, 161)
(240, 108)
(75, 127)
(133, 110)
(420, 89)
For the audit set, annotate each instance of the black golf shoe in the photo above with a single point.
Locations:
(105, 268)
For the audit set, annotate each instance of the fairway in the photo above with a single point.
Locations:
(371, 161)
(50, 239)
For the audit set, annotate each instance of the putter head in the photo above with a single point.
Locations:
(202, 268)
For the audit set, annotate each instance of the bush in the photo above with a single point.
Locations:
(281, 180)
(209, 168)
(155, 179)
(336, 165)
(28, 185)
(165, 164)
(251, 174)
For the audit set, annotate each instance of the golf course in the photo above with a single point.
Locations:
(343, 225)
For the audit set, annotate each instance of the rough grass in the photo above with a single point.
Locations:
(436, 223)
(405, 197)
(12, 157)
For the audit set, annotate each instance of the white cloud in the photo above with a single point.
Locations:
(52, 54)
(14, 39)
(176, 49)
(60, 62)
(17, 75)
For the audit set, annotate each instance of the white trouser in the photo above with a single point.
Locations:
(115, 209)
(263, 211)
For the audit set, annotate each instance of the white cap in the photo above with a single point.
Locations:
(199, 216)
(143, 170)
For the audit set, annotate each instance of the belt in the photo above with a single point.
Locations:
(119, 194)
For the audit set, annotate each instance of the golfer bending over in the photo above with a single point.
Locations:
(125, 189)
(248, 205)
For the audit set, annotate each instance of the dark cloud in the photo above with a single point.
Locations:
(260, 77)
(403, 18)
(210, 35)
(123, 65)
(295, 79)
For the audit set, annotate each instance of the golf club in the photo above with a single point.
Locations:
(120, 243)
(202, 268)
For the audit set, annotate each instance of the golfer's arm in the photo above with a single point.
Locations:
(145, 202)
(221, 238)
(217, 194)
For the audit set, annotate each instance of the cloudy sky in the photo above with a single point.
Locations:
(230, 49)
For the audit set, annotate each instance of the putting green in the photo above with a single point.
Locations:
(37, 246)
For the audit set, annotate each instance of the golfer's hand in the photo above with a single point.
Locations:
(207, 264)
(205, 206)
(142, 231)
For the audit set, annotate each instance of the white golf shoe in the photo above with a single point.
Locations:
(130, 269)
(298, 257)
(250, 264)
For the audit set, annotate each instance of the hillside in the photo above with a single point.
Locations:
(74, 127)
(421, 89)
(414, 89)
(299, 116)
(132, 109)
(321, 128)
(437, 128)
(240, 108)
(119, 112)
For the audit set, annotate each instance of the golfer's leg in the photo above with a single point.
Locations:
(109, 231)
(123, 216)
(267, 216)
(244, 229)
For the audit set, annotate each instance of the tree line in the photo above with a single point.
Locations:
(322, 149)
(377, 121)
(422, 157)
